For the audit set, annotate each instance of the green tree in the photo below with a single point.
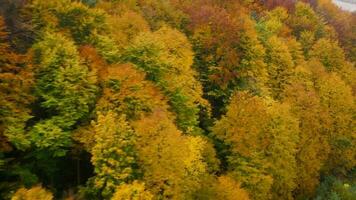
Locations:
(166, 57)
(65, 88)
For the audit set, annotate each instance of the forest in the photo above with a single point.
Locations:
(177, 100)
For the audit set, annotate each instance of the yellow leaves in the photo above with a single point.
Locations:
(126, 27)
(228, 189)
(323, 103)
(283, 130)
(34, 193)
(304, 18)
(242, 125)
(253, 127)
(113, 154)
(178, 56)
(170, 160)
(279, 13)
(280, 65)
(194, 162)
(329, 54)
(337, 99)
(134, 191)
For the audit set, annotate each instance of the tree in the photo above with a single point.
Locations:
(337, 99)
(126, 27)
(113, 154)
(34, 193)
(332, 56)
(312, 147)
(273, 24)
(133, 191)
(161, 55)
(15, 93)
(160, 13)
(229, 55)
(127, 92)
(279, 64)
(262, 136)
(228, 189)
(343, 23)
(66, 90)
(172, 163)
(305, 18)
(242, 129)
(333, 188)
(283, 130)
(81, 20)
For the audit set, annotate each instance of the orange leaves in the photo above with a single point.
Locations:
(127, 91)
(15, 92)
(95, 62)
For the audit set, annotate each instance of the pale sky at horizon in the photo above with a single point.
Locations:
(345, 5)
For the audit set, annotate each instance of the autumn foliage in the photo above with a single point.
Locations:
(177, 99)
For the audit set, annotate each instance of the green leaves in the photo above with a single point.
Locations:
(66, 86)
(166, 57)
(279, 85)
(66, 90)
(47, 135)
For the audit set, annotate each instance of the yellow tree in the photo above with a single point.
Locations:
(113, 154)
(332, 56)
(125, 27)
(343, 23)
(262, 136)
(242, 129)
(133, 191)
(312, 147)
(34, 193)
(304, 19)
(228, 189)
(283, 133)
(279, 64)
(337, 100)
(171, 163)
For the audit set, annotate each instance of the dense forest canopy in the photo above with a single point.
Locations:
(177, 99)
